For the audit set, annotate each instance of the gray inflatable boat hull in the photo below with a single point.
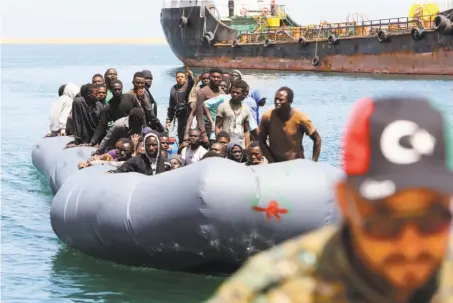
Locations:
(196, 216)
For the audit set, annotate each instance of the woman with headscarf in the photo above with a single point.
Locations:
(235, 153)
(60, 110)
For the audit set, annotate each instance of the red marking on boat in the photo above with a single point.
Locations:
(272, 210)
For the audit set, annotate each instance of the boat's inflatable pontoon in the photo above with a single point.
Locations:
(209, 213)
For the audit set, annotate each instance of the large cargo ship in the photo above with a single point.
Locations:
(261, 35)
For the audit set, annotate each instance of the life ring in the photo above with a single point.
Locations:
(417, 34)
(244, 11)
(332, 40)
(315, 61)
(267, 42)
(265, 11)
(382, 36)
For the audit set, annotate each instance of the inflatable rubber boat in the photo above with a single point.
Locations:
(209, 216)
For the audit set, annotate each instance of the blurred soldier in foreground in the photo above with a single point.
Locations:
(394, 244)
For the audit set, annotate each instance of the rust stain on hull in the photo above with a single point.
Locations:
(435, 63)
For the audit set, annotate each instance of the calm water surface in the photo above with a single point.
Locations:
(35, 266)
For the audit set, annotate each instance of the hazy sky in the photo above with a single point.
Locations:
(140, 18)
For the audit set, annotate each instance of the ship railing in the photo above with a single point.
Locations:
(343, 29)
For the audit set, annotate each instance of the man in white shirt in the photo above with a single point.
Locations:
(194, 152)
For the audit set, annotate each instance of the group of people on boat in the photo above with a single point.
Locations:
(217, 115)
(394, 242)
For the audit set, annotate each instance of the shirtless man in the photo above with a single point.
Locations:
(285, 127)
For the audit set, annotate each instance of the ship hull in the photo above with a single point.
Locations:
(432, 55)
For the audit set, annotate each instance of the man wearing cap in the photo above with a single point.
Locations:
(394, 244)
(148, 83)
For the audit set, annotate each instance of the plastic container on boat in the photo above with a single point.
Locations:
(196, 217)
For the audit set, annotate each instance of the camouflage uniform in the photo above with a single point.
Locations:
(311, 268)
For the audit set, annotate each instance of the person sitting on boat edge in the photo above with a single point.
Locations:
(285, 127)
(86, 111)
(61, 109)
(124, 153)
(70, 123)
(149, 163)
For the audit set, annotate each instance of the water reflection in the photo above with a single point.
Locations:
(80, 278)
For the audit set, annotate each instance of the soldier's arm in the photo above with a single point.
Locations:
(249, 283)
